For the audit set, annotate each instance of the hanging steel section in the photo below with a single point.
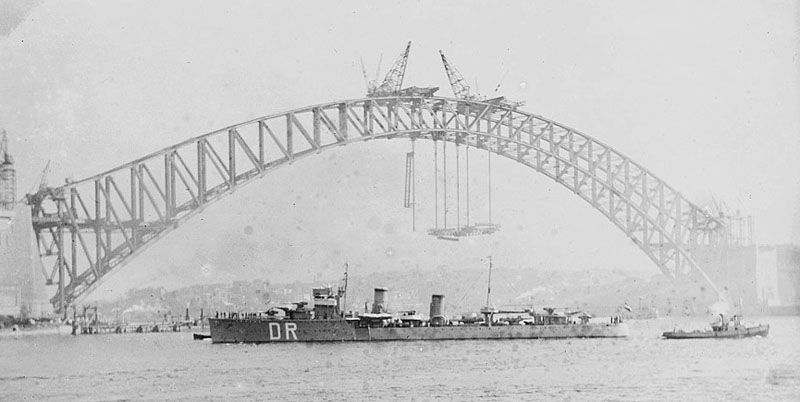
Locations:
(410, 191)
(88, 228)
(454, 233)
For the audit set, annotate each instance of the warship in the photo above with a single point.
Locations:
(324, 321)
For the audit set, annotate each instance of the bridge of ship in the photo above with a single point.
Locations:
(88, 228)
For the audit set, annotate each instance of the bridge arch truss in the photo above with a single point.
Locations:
(89, 228)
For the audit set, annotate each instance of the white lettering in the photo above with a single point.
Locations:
(274, 331)
(290, 328)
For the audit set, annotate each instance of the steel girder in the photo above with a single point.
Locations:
(91, 227)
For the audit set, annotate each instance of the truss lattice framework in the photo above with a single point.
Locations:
(90, 227)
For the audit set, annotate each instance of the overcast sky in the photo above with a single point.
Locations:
(704, 94)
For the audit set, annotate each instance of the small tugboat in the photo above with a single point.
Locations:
(733, 328)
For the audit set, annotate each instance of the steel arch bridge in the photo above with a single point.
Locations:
(88, 228)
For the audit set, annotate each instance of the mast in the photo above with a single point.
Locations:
(344, 293)
(489, 287)
(741, 310)
(488, 312)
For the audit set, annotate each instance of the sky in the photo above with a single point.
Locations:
(704, 94)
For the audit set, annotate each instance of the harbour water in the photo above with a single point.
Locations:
(643, 367)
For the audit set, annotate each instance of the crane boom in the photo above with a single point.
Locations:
(457, 81)
(369, 84)
(393, 82)
(39, 192)
(462, 91)
(3, 146)
(43, 180)
(392, 85)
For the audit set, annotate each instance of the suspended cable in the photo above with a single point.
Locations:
(466, 151)
(410, 194)
(435, 184)
(454, 232)
(444, 182)
(489, 158)
(458, 189)
(413, 187)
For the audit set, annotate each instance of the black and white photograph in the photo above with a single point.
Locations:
(400, 200)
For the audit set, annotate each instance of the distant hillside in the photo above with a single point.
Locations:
(597, 292)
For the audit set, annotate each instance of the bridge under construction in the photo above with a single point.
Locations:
(88, 228)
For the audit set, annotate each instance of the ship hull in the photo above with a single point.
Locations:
(761, 330)
(268, 331)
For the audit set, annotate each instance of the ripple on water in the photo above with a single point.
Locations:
(640, 368)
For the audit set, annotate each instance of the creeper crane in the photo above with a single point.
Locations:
(392, 84)
(457, 81)
(462, 91)
(394, 78)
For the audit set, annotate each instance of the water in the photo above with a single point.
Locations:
(643, 367)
